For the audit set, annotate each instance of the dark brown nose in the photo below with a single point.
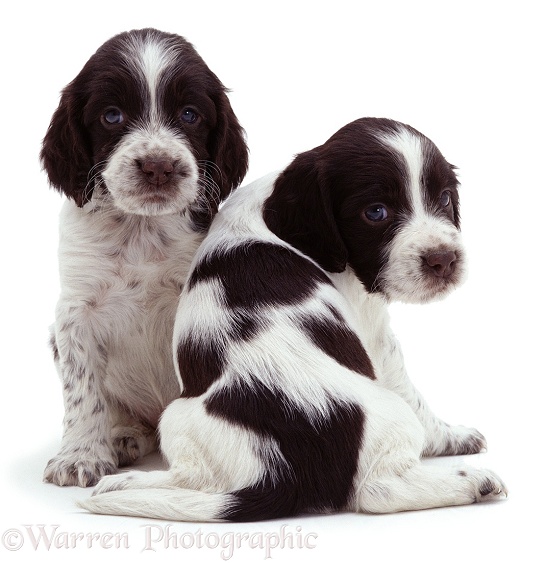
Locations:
(157, 172)
(441, 263)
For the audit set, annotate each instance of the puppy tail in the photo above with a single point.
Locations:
(167, 504)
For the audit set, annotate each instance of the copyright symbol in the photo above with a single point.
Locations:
(12, 539)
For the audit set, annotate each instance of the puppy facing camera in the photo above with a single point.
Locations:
(145, 145)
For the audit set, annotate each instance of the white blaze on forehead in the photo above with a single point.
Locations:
(410, 151)
(403, 277)
(149, 58)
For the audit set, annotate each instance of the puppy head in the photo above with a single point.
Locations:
(377, 196)
(149, 123)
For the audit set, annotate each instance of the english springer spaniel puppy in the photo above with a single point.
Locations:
(295, 399)
(145, 145)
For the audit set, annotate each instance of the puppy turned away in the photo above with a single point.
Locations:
(294, 396)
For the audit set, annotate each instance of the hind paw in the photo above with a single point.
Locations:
(133, 442)
(117, 482)
(490, 487)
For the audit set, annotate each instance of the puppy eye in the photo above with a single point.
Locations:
(113, 116)
(376, 213)
(445, 198)
(189, 116)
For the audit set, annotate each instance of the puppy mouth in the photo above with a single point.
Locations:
(178, 191)
(162, 190)
(156, 198)
(175, 195)
(438, 284)
(153, 186)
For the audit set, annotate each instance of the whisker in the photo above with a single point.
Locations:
(206, 181)
(210, 164)
(376, 282)
(206, 165)
(96, 169)
(93, 178)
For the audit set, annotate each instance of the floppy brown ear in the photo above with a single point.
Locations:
(65, 154)
(300, 212)
(228, 149)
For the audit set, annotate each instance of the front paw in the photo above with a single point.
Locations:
(455, 440)
(465, 441)
(78, 469)
(458, 440)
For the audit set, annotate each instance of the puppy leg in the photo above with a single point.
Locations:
(209, 453)
(86, 453)
(391, 475)
(440, 437)
(204, 453)
(420, 487)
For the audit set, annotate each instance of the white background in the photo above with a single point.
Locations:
(468, 74)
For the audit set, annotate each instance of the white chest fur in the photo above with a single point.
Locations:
(121, 276)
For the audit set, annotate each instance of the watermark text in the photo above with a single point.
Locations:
(153, 537)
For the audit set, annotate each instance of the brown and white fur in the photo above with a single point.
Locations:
(145, 145)
(294, 396)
